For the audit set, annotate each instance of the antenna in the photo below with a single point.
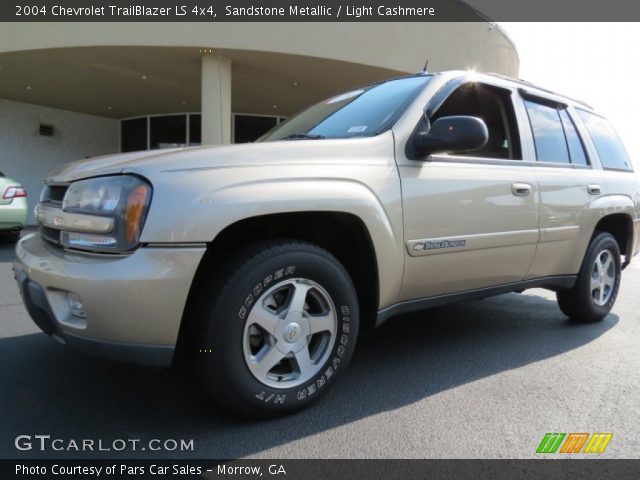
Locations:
(425, 66)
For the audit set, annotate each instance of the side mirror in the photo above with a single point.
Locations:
(452, 134)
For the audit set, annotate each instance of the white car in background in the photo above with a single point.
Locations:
(13, 207)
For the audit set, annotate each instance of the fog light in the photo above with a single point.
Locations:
(86, 240)
(76, 305)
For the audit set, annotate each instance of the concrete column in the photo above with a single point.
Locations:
(216, 98)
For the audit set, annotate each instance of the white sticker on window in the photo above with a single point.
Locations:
(345, 96)
(357, 129)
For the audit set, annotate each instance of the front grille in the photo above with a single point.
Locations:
(52, 195)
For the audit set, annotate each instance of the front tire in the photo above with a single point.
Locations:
(279, 328)
(598, 282)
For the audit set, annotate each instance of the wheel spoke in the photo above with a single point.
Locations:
(595, 284)
(609, 280)
(607, 264)
(322, 323)
(599, 265)
(298, 297)
(267, 361)
(264, 317)
(601, 294)
(304, 361)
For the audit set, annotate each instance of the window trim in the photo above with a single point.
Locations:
(580, 139)
(444, 158)
(438, 99)
(557, 105)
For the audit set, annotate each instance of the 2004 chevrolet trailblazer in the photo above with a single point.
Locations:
(264, 260)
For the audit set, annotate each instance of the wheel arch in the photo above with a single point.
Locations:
(357, 254)
(620, 226)
(614, 214)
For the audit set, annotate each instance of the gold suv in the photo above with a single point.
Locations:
(261, 262)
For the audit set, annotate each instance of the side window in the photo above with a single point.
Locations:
(576, 148)
(548, 134)
(610, 149)
(494, 106)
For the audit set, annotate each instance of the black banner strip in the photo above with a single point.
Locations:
(317, 10)
(584, 469)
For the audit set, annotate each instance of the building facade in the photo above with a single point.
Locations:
(75, 90)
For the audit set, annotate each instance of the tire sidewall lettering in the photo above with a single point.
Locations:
(259, 287)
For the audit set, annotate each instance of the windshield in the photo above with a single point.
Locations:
(363, 112)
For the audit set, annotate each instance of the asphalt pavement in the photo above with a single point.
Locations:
(482, 379)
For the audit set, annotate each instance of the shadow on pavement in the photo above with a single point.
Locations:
(7, 247)
(8, 244)
(52, 390)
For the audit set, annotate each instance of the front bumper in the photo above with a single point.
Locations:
(133, 304)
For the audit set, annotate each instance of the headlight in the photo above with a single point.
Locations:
(123, 198)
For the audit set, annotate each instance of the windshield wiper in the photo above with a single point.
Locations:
(303, 136)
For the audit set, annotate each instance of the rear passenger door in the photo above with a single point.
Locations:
(567, 184)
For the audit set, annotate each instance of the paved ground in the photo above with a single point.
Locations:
(482, 379)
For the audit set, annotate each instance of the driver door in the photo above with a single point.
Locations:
(470, 220)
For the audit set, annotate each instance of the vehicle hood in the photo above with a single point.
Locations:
(150, 163)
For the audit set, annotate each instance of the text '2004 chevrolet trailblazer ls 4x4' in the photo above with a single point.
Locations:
(264, 260)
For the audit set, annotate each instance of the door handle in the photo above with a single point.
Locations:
(594, 189)
(521, 189)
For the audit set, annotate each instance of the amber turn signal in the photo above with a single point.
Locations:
(136, 202)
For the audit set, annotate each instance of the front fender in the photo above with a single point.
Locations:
(212, 210)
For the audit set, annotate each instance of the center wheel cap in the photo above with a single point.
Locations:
(291, 332)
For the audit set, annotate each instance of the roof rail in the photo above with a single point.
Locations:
(532, 85)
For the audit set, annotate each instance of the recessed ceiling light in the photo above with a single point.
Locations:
(143, 77)
(274, 106)
(296, 84)
(28, 87)
(183, 102)
(109, 108)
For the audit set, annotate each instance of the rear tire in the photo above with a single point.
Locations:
(596, 288)
(278, 327)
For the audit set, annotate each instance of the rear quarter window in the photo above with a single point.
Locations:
(608, 145)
